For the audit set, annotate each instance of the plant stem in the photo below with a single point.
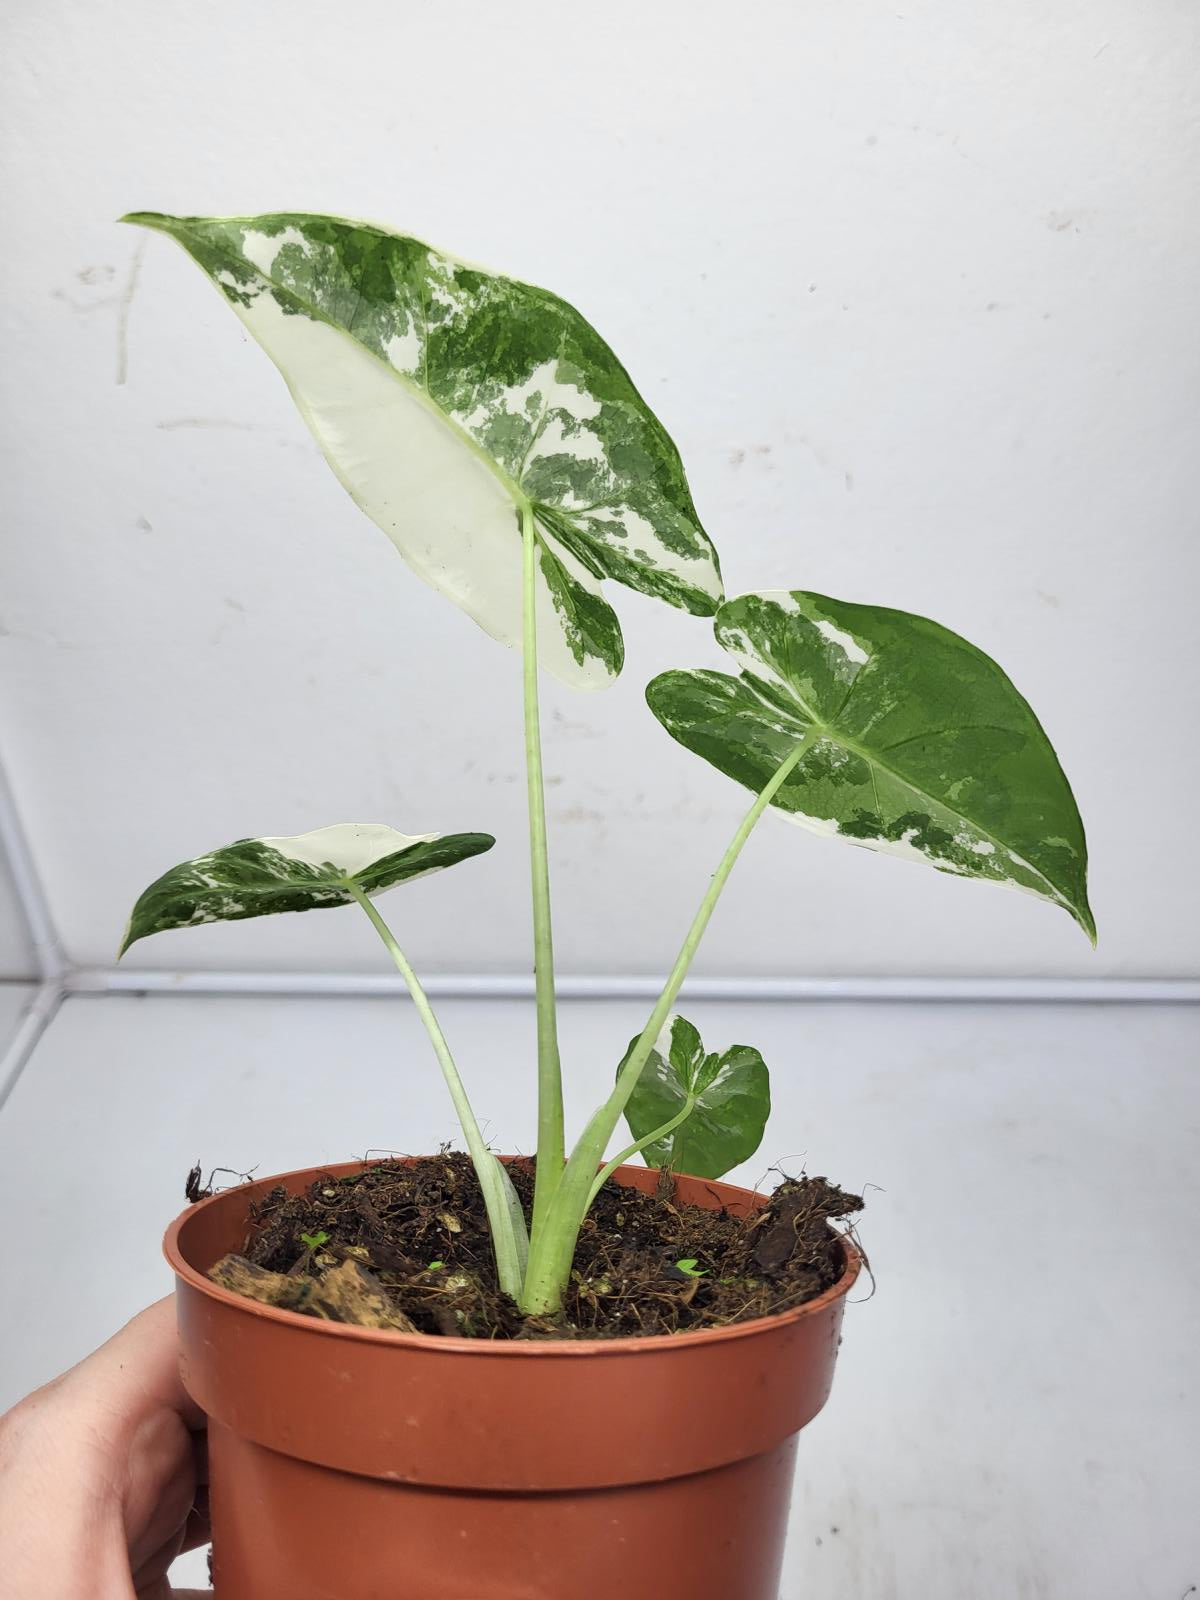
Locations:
(550, 1144)
(509, 1253)
(609, 1167)
(552, 1250)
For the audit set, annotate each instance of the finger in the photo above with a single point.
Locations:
(138, 1369)
(199, 1525)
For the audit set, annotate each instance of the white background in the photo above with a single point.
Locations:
(913, 286)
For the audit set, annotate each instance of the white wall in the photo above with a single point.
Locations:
(912, 284)
(16, 953)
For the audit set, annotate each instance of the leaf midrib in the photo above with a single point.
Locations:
(337, 879)
(421, 393)
(418, 391)
(834, 735)
(268, 891)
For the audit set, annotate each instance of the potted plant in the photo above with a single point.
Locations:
(468, 1377)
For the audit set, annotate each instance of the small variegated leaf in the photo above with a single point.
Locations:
(257, 877)
(915, 743)
(447, 398)
(732, 1101)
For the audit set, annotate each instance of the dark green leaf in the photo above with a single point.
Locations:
(915, 743)
(732, 1095)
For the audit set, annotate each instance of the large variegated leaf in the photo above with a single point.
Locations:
(730, 1095)
(446, 398)
(915, 742)
(256, 877)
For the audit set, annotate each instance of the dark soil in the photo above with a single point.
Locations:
(405, 1245)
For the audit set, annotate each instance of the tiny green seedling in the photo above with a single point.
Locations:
(314, 1241)
(435, 1266)
(497, 441)
(688, 1266)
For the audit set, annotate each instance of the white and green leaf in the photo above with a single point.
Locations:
(912, 741)
(726, 1098)
(446, 399)
(258, 877)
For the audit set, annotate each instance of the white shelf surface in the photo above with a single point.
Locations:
(1016, 1410)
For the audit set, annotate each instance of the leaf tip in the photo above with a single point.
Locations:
(473, 844)
(1081, 912)
(157, 220)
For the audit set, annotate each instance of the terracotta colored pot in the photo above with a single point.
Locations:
(349, 1464)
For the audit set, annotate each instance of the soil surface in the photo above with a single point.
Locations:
(405, 1246)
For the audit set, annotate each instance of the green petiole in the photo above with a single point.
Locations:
(552, 1245)
(504, 1217)
(631, 1150)
(550, 1143)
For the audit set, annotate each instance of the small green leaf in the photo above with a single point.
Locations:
(314, 1241)
(915, 743)
(257, 877)
(435, 1266)
(732, 1095)
(447, 398)
(690, 1269)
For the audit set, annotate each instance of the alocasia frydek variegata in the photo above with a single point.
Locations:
(497, 441)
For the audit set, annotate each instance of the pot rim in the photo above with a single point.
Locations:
(503, 1349)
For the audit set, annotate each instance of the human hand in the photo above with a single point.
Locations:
(102, 1474)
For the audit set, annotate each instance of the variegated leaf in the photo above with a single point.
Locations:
(446, 398)
(916, 743)
(256, 877)
(732, 1094)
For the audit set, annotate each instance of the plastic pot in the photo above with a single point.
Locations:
(350, 1464)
